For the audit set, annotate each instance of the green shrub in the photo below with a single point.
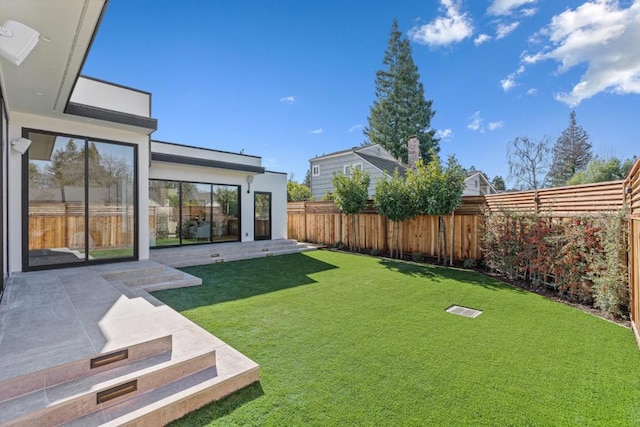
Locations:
(417, 256)
(375, 252)
(470, 263)
(582, 258)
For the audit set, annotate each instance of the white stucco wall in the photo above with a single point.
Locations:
(276, 183)
(204, 153)
(80, 128)
(111, 97)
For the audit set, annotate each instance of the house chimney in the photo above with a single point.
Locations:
(413, 148)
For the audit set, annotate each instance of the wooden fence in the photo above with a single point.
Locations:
(323, 222)
(632, 192)
(59, 225)
(575, 200)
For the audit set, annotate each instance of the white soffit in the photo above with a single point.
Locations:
(42, 84)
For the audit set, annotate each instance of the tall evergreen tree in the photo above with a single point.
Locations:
(571, 153)
(400, 110)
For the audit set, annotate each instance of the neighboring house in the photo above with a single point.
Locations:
(373, 159)
(476, 184)
(78, 151)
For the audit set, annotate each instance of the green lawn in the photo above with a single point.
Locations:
(352, 340)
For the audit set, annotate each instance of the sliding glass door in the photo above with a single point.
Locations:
(187, 213)
(80, 201)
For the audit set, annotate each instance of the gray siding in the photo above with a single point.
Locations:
(320, 184)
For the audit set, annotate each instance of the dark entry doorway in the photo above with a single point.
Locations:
(262, 222)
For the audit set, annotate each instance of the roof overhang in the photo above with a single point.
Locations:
(209, 163)
(49, 78)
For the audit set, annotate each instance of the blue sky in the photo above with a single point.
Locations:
(289, 80)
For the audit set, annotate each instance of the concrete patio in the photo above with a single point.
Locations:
(56, 325)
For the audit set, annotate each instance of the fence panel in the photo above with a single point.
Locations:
(572, 200)
(322, 222)
(632, 194)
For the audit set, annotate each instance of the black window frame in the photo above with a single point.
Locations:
(270, 235)
(25, 205)
(180, 208)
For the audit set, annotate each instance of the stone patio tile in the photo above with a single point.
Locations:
(42, 347)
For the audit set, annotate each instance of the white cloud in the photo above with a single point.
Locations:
(528, 12)
(444, 134)
(508, 83)
(355, 128)
(475, 122)
(533, 91)
(288, 100)
(506, 7)
(601, 36)
(503, 30)
(316, 131)
(453, 27)
(482, 38)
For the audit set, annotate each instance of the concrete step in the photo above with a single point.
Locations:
(147, 279)
(174, 400)
(121, 271)
(69, 401)
(76, 370)
(172, 284)
(186, 258)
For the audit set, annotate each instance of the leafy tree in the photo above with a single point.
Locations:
(297, 192)
(400, 110)
(528, 162)
(571, 153)
(328, 196)
(307, 179)
(67, 166)
(437, 191)
(498, 183)
(351, 194)
(599, 170)
(228, 200)
(37, 179)
(393, 199)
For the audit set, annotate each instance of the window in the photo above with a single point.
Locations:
(186, 213)
(315, 171)
(347, 168)
(80, 201)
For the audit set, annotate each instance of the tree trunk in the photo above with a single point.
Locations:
(453, 224)
(391, 239)
(355, 233)
(400, 248)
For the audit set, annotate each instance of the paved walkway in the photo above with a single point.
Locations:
(59, 316)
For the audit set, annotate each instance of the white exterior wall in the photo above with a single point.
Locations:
(274, 182)
(80, 128)
(4, 146)
(111, 97)
(203, 153)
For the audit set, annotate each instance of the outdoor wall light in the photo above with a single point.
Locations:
(249, 181)
(21, 145)
(627, 189)
(17, 41)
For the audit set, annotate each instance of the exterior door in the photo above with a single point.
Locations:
(262, 222)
